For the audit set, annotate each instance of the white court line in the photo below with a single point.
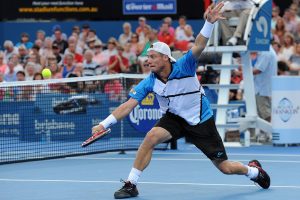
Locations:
(145, 182)
(175, 159)
(230, 154)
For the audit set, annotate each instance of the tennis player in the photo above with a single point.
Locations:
(186, 111)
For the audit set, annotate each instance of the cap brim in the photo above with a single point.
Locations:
(171, 58)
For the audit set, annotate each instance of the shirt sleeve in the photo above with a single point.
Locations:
(263, 62)
(144, 87)
(188, 63)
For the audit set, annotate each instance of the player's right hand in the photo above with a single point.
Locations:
(97, 128)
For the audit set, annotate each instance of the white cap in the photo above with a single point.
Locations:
(163, 48)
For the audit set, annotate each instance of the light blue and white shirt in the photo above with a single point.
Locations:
(181, 95)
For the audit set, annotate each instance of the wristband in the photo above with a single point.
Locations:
(207, 29)
(109, 121)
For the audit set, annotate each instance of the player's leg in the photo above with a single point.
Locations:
(155, 136)
(158, 134)
(207, 139)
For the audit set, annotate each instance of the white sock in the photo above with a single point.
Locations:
(134, 176)
(252, 172)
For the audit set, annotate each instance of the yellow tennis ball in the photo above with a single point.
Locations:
(46, 73)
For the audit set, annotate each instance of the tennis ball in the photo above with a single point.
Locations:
(46, 73)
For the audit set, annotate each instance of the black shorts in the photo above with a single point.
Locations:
(204, 136)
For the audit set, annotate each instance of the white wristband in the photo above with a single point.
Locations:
(207, 29)
(109, 121)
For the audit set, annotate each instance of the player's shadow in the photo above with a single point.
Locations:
(244, 195)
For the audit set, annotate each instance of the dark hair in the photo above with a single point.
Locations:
(37, 74)
(21, 72)
(182, 17)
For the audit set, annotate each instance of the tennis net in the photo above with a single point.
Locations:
(51, 118)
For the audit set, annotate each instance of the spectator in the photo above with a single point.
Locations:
(126, 35)
(84, 32)
(294, 61)
(25, 41)
(110, 51)
(56, 52)
(113, 88)
(30, 70)
(41, 35)
(90, 67)
(35, 52)
(73, 40)
(38, 43)
(118, 63)
(55, 69)
(288, 48)
(277, 48)
(93, 34)
(17, 66)
(3, 66)
(55, 28)
(279, 30)
(90, 44)
(76, 30)
(264, 68)
(135, 46)
(9, 50)
(275, 16)
(23, 54)
(234, 8)
(23, 92)
(38, 76)
(58, 39)
(72, 49)
(183, 35)
(143, 38)
(78, 70)
(132, 58)
(47, 47)
(143, 57)
(69, 66)
(283, 69)
(11, 75)
(142, 24)
(165, 36)
(168, 20)
(297, 34)
(289, 18)
(99, 57)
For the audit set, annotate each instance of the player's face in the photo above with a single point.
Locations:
(156, 61)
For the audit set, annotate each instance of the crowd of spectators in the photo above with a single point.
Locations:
(83, 53)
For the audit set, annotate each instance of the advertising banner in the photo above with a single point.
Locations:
(145, 115)
(286, 110)
(149, 7)
(260, 34)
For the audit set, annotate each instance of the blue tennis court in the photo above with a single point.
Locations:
(173, 174)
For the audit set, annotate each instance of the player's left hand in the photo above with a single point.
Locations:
(97, 128)
(213, 13)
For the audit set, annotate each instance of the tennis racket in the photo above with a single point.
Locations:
(95, 137)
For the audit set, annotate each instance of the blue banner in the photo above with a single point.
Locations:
(145, 115)
(261, 28)
(149, 7)
(60, 117)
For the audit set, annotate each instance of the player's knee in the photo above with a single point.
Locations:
(225, 168)
(151, 138)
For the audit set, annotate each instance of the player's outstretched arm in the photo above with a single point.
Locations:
(213, 14)
(119, 113)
